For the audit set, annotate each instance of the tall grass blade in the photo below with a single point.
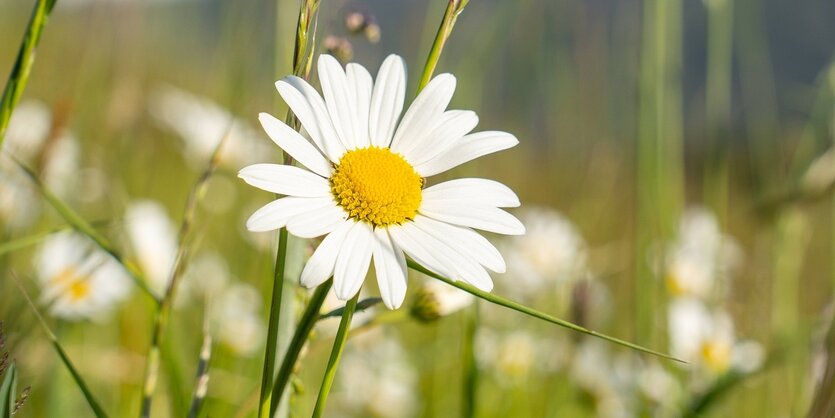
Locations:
(8, 392)
(19, 76)
(201, 385)
(498, 300)
(79, 381)
(85, 228)
(453, 9)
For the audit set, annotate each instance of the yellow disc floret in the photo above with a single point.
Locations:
(377, 186)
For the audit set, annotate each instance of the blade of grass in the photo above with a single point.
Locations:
(8, 391)
(34, 239)
(453, 9)
(498, 300)
(306, 324)
(336, 355)
(85, 228)
(163, 312)
(302, 62)
(19, 76)
(79, 381)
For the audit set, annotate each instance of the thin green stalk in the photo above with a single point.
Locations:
(201, 385)
(336, 355)
(453, 9)
(28, 241)
(85, 228)
(302, 62)
(498, 300)
(469, 363)
(305, 326)
(164, 308)
(265, 401)
(79, 381)
(19, 76)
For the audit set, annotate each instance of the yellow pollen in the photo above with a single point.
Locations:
(717, 355)
(377, 186)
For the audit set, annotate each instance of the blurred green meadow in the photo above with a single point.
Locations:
(675, 167)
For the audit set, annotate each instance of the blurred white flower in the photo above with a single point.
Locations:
(380, 381)
(79, 281)
(236, 320)
(702, 257)
(18, 200)
(552, 252)
(436, 300)
(153, 237)
(706, 339)
(28, 129)
(61, 164)
(202, 124)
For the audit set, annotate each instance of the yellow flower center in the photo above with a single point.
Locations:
(717, 355)
(75, 286)
(377, 186)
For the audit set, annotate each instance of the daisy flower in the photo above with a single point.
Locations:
(78, 281)
(364, 188)
(153, 237)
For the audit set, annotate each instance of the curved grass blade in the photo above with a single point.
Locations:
(8, 392)
(498, 300)
(361, 306)
(453, 9)
(19, 76)
(85, 228)
(79, 381)
(308, 320)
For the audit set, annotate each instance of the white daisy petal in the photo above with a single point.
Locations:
(468, 148)
(448, 130)
(321, 264)
(387, 101)
(427, 107)
(442, 258)
(390, 266)
(275, 214)
(353, 261)
(285, 179)
(485, 218)
(294, 144)
(464, 240)
(309, 107)
(318, 222)
(473, 190)
(362, 84)
(338, 98)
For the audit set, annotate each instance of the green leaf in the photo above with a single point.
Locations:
(498, 300)
(8, 392)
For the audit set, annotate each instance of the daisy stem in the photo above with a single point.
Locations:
(268, 373)
(79, 381)
(498, 300)
(19, 76)
(305, 326)
(453, 9)
(336, 354)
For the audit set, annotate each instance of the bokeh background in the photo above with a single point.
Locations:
(674, 165)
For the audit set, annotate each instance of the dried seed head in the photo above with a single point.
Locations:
(21, 400)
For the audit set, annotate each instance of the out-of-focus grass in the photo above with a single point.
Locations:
(562, 76)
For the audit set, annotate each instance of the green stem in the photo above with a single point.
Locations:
(19, 76)
(164, 308)
(453, 9)
(268, 373)
(306, 324)
(469, 362)
(336, 354)
(498, 300)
